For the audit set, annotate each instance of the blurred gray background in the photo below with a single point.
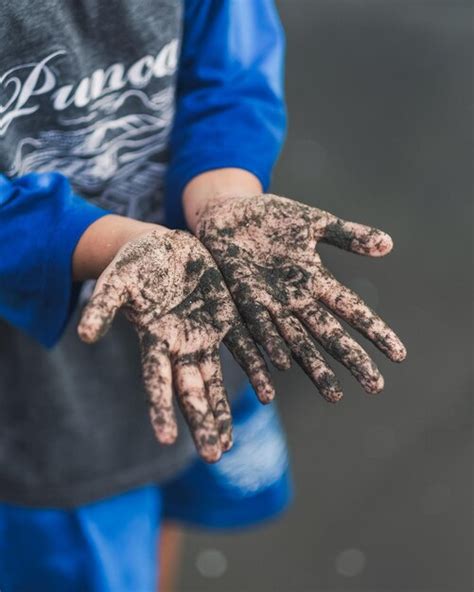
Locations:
(380, 104)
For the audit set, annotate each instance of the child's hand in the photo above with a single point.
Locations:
(171, 290)
(265, 247)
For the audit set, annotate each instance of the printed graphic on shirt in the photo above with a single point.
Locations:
(111, 127)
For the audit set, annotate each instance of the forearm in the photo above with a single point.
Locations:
(217, 185)
(102, 240)
(230, 111)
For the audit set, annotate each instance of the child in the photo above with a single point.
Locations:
(117, 118)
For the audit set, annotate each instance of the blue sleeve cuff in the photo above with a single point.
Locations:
(230, 108)
(57, 294)
(42, 221)
(178, 180)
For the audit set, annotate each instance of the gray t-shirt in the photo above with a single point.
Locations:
(89, 93)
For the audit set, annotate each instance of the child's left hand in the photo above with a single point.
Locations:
(265, 246)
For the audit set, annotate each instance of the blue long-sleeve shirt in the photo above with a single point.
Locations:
(109, 133)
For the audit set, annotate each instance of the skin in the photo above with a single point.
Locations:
(101, 241)
(170, 289)
(265, 247)
(169, 552)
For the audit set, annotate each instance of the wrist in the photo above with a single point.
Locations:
(102, 240)
(216, 186)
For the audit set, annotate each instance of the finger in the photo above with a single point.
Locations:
(211, 373)
(109, 295)
(243, 348)
(358, 238)
(260, 325)
(308, 357)
(157, 377)
(339, 344)
(349, 306)
(197, 412)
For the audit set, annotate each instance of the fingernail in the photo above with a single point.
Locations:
(84, 333)
(379, 245)
(329, 386)
(211, 455)
(386, 244)
(282, 361)
(333, 396)
(166, 436)
(266, 394)
(399, 353)
(374, 384)
(226, 443)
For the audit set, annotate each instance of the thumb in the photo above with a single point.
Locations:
(357, 238)
(109, 295)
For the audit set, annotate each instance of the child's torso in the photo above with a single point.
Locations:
(87, 89)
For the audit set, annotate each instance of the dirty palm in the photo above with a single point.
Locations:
(282, 297)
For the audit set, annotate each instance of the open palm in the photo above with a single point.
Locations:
(265, 247)
(171, 290)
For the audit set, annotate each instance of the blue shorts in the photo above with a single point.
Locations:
(110, 546)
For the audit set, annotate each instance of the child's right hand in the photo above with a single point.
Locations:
(171, 290)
